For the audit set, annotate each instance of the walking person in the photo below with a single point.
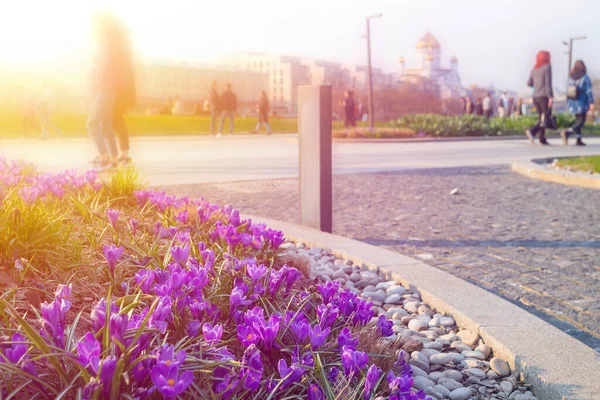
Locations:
(487, 105)
(541, 82)
(349, 110)
(580, 100)
(469, 107)
(479, 106)
(229, 108)
(213, 106)
(104, 88)
(263, 112)
(125, 93)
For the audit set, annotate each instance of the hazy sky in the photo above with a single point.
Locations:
(495, 41)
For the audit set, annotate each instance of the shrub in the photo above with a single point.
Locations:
(471, 125)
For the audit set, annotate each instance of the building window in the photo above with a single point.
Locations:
(281, 81)
(274, 99)
(281, 98)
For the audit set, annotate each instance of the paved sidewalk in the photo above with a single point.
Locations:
(532, 242)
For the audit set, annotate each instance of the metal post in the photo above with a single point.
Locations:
(570, 55)
(315, 166)
(370, 73)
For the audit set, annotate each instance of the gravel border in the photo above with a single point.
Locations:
(447, 362)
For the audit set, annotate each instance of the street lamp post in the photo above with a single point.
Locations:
(570, 44)
(370, 72)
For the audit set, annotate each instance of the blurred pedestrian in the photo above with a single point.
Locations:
(29, 120)
(44, 114)
(213, 106)
(263, 112)
(349, 110)
(541, 82)
(104, 88)
(487, 105)
(479, 106)
(469, 106)
(518, 108)
(125, 92)
(229, 108)
(178, 107)
(580, 100)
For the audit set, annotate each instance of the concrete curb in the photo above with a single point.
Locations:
(538, 171)
(557, 365)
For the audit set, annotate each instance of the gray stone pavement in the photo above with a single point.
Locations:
(534, 243)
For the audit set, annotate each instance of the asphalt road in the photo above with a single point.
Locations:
(194, 159)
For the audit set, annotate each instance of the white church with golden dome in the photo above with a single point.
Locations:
(428, 71)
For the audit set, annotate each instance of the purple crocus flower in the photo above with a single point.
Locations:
(145, 279)
(193, 328)
(98, 314)
(318, 336)
(181, 254)
(118, 326)
(384, 326)
(113, 216)
(345, 339)
(333, 374)
(63, 291)
(328, 291)
(87, 348)
(17, 353)
(112, 254)
(306, 358)
(252, 374)
(168, 381)
(182, 217)
(353, 361)
(140, 371)
(315, 392)
(247, 336)
(236, 299)
(212, 335)
(106, 367)
(327, 315)
(300, 329)
(268, 331)
(53, 320)
(291, 275)
(288, 375)
(255, 272)
(399, 385)
(373, 375)
(168, 357)
(133, 225)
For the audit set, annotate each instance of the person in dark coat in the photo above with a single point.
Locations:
(349, 110)
(125, 94)
(228, 109)
(541, 82)
(213, 106)
(263, 112)
(580, 102)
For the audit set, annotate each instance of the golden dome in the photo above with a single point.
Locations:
(428, 41)
(429, 57)
(401, 60)
(454, 59)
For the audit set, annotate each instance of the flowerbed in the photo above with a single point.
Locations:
(109, 291)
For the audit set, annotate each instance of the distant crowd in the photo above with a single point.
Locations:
(506, 106)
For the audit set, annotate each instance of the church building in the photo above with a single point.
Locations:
(428, 72)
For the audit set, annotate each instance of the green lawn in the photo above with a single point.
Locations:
(73, 125)
(585, 164)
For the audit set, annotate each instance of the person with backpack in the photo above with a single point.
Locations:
(229, 108)
(541, 82)
(580, 100)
